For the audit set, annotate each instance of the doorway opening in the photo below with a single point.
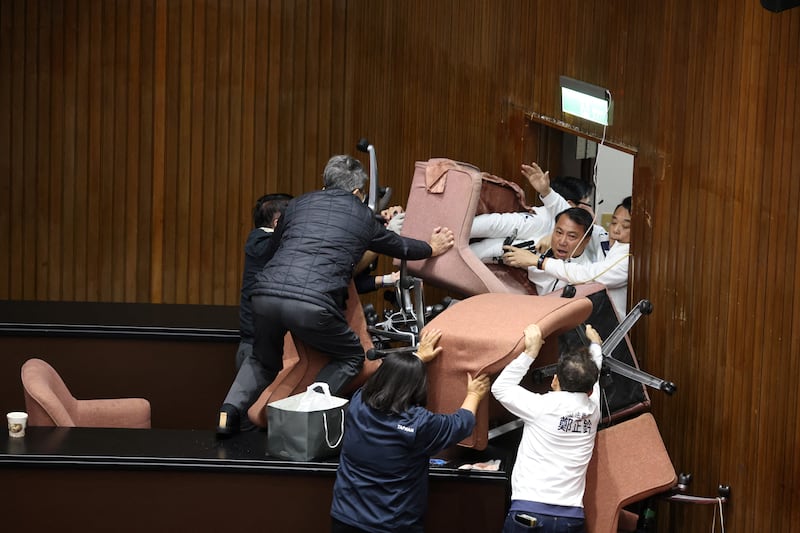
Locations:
(565, 151)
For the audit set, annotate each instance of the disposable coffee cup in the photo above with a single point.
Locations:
(17, 421)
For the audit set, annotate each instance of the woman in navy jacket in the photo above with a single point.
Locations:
(382, 480)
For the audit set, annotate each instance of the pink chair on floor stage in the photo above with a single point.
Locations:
(49, 402)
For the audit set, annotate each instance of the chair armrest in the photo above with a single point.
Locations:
(114, 413)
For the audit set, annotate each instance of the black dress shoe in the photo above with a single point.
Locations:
(228, 422)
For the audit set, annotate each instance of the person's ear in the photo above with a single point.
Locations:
(555, 385)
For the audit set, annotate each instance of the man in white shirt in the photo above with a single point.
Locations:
(571, 235)
(493, 229)
(549, 476)
(611, 270)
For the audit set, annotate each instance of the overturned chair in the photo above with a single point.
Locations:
(482, 334)
(629, 465)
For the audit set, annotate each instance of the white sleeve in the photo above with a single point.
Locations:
(597, 356)
(611, 271)
(554, 203)
(598, 246)
(508, 391)
(495, 225)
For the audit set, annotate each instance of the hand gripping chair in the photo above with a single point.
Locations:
(49, 403)
(301, 364)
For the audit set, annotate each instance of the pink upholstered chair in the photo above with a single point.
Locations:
(482, 334)
(49, 403)
(629, 464)
(449, 193)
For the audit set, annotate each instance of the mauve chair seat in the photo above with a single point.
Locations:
(629, 464)
(482, 334)
(50, 403)
(628, 522)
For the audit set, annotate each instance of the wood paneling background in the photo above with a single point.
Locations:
(135, 136)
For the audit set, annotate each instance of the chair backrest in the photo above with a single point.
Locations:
(629, 464)
(47, 399)
(499, 195)
(448, 193)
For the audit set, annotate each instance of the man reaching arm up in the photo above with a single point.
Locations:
(549, 475)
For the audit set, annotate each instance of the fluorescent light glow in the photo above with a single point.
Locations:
(585, 100)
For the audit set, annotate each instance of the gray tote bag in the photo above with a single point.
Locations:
(306, 426)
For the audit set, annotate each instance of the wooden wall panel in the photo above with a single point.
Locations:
(138, 134)
(135, 136)
(6, 36)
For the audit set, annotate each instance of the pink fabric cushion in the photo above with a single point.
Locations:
(628, 521)
(629, 464)
(482, 334)
(458, 270)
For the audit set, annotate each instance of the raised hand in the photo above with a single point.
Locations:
(538, 179)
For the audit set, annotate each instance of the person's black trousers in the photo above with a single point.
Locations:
(313, 324)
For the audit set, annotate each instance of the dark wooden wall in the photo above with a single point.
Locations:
(135, 136)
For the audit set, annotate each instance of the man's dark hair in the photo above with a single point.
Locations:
(399, 383)
(576, 371)
(572, 189)
(267, 206)
(580, 217)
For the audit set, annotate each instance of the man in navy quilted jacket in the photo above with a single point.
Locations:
(316, 245)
